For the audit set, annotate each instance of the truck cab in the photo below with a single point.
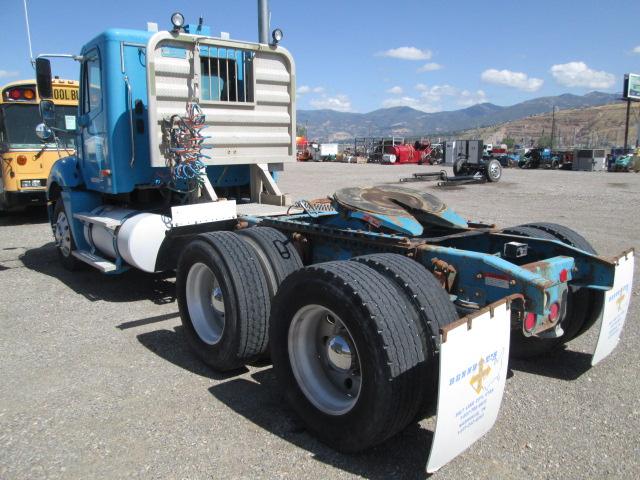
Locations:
(136, 89)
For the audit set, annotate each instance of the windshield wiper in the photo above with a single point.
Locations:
(44, 147)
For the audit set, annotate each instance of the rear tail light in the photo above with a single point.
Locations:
(21, 159)
(529, 321)
(564, 275)
(14, 94)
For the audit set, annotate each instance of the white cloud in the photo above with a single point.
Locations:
(413, 102)
(8, 73)
(395, 90)
(407, 53)
(339, 102)
(467, 98)
(430, 67)
(303, 89)
(518, 80)
(636, 49)
(431, 99)
(578, 74)
(435, 93)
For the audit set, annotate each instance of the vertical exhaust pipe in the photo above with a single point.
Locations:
(263, 21)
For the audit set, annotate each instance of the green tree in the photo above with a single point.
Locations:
(544, 141)
(509, 142)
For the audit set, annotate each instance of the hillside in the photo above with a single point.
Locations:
(329, 125)
(593, 126)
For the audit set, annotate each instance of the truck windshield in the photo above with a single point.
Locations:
(18, 126)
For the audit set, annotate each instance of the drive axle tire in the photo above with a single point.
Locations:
(586, 304)
(223, 298)
(346, 352)
(565, 235)
(432, 304)
(583, 305)
(276, 254)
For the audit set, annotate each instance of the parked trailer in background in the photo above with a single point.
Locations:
(324, 152)
(374, 305)
(590, 160)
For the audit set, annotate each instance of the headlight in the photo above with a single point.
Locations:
(31, 183)
(277, 36)
(177, 19)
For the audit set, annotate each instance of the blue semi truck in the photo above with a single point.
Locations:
(377, 305)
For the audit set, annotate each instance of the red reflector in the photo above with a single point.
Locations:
(554, 310)
(564, 275)
(21, 159)
(14, 94)
(529, 321)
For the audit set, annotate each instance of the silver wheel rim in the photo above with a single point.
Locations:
(324, 359)
(62, 234)
(494, 170)
(205, 303)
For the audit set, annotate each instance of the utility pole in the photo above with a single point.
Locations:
(553, 126)
(626, 127)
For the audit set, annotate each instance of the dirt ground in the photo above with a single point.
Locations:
(96, 380)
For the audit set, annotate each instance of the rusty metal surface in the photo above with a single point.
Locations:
(444, 273)
(388, 200)
(468, 319)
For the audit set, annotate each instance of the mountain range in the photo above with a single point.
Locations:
(331, 125)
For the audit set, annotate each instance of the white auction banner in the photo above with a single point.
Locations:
(474, 357)
(616, 306)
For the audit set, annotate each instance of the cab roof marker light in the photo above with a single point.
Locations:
(177, 20)
(277, 35)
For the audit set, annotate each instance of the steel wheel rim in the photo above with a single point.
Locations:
(205, 303)
(324, 360)
(62, 234)
(495, 172)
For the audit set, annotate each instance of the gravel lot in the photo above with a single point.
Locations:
(96, 379)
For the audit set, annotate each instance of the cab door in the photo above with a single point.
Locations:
(92, 124)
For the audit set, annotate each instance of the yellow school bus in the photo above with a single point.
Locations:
(27, 160)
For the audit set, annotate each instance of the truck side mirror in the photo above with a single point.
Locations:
(43, 78)
(47, 111)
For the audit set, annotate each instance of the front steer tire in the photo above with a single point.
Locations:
(65, 243)
(223, 298)
(381, 350)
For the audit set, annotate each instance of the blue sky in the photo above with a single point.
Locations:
(356, 55)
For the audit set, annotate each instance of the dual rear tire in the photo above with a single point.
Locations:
(224, 284)
(354, 344)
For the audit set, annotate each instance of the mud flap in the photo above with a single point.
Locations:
(616, 305)
(474, 357)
